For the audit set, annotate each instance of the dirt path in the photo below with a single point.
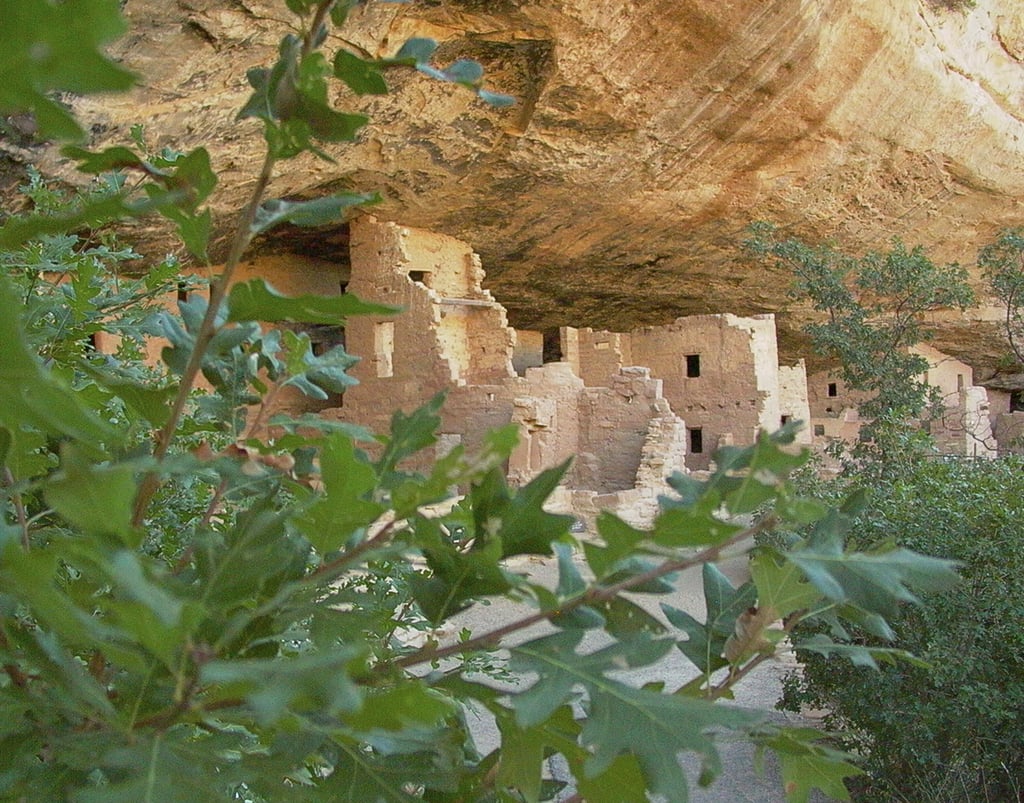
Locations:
(739, 781)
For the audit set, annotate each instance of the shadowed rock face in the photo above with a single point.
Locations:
(648, 134)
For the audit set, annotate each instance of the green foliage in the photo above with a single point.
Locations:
(949, 729)
(53, 47)
(192, 612)
(1002, 264)
(874, 306)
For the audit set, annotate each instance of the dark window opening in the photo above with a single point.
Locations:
(785, 419)
(960, 382)
(833, 389)
(343, 287)
(819, 430)
(692, 365)
(420, 276)
(1017, 401)
(552, 351)
(324, 337)
(696, 440)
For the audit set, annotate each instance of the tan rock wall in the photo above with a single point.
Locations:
(595, 357)
(614, 423)
(793, 402)
(528, 351)
(728, 402)
(646, 137)
(436, 343)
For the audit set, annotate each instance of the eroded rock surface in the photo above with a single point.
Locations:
(648, 134)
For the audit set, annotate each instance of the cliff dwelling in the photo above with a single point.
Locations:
(628, 408)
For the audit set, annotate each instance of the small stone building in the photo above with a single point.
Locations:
(963, 424)
(721, 374)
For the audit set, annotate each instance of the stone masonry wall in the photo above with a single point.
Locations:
(731, 396)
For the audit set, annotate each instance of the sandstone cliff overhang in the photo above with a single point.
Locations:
(648, 134)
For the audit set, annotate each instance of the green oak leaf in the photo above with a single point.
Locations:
(255, 300)
(97, 498)
(347, 504)
(875, 581)
(724, 604)
(807, 764)
(781, 586)
(51, 47)
(652, 726)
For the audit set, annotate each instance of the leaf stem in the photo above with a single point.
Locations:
(594, 594)
(736, 674)
(207, 329)
(350, 555)
(19, 509)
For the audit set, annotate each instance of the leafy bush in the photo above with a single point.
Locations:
(954, 731)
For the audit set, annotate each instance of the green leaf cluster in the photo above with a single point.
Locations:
(945, 726)
(874, 308)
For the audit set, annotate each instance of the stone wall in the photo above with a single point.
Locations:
(793, 402)
(452, 336)
(720, 374)
(963, 425)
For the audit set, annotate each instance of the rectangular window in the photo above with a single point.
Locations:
(692, 365)
(959, 381)
(819, 430)
(384, 348)
(833, 389)
(696, 440)
(785, 420)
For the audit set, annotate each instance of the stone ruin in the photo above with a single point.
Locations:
(628, 408)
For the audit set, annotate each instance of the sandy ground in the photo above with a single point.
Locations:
(739, 782)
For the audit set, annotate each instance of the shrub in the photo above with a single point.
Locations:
(954, 731)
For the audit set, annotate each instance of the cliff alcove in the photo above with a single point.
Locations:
(647, 135)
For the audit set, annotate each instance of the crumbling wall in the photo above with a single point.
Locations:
(963, 425)
(528, 351)
(1008, 431)
(614, 422)
(450, 333)
(834, 409)
(595, 356)
(546, 408)
(1007, 423)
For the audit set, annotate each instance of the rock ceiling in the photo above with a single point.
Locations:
(647, 135)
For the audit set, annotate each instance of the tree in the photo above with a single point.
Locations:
(190, 613)
(874, 307)
(1002, 264)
